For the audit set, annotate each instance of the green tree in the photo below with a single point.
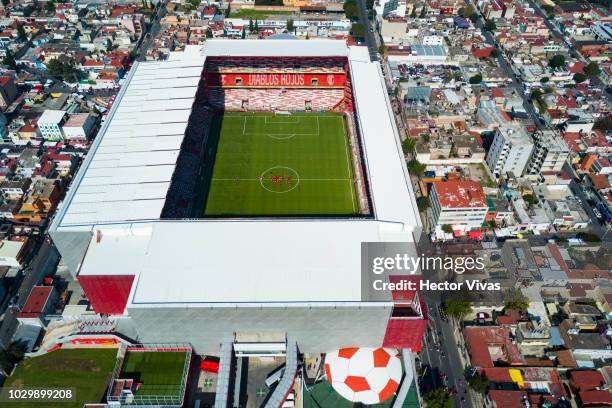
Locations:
(588, 237)
(516, 301)
(50, 7)
(357, 30)
(592, 70)
(548, 8)
(489, 25)
(290, 26)
(195, 3)
(209, 33)
(408, 145)
(495, 53)
(447, 228)
(425, 137)
(9, 60)
(438, 398)
(422, 203)
(557, 61)
(256, 27)
(492, 224)
(415, 167)
(251, 26)
(466, 12)
(21, 34)
(369, 4)
(544, 80)
(579, 77)
(54, 67)
(243, 34)
(6, 2)
(350, 9)
(457, 309)
(604, 124)
(479, 383)
(382, 50)
(476, 79)
(423, 12)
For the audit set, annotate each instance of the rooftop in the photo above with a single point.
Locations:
(460, 194)
(121, 187)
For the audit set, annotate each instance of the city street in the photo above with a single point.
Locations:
(369, 34)
(44, 262)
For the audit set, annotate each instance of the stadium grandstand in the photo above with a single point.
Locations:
(227, 196)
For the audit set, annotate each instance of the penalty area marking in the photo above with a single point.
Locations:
(262, 178)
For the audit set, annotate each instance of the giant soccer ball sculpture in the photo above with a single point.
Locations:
(365, 375)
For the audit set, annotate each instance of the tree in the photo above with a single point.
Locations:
(544, 80)
(479, 383)
(243, 35)
(408, 145)
(290, 27)
(350, 9)
(495, 53)
(6, 2)
(15, 352)
(369, 4)
(195, 3)
(357, 30)
(228, 10)
(492, 224)
(382, 50)
(557, 61)
(604, 124)
(476, 79)
(447, 228)
(588, 237)
(592, 70)
(466, 12)
(209, 33)
(50, 7)
(490, 26)
(423, 12)
(413, 13)
(516, 301)
(415, 167)
(21, 34)
(422, 203)
(579, 77)
(548, 8)
(457, 309)
(438, 398)
(425, 137)
(251, 26)
(9, 60)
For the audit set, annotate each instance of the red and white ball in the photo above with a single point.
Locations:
(366, 375)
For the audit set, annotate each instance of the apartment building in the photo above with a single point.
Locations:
(461, 204)
(510, 151)
(50, 124)
(550, 152)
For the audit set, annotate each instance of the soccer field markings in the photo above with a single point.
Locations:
(348, 161)
(262, 178)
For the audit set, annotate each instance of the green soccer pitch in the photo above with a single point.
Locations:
(160, 372)
(279, 165)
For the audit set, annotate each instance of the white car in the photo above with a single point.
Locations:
(596, 212)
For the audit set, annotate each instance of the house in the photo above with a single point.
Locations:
(461, 204)
(78, 127)
(39, 202)
(50, 124)
(8, 91)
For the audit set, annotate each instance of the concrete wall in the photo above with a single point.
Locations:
(316, 329)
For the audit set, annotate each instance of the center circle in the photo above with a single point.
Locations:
(279, 179)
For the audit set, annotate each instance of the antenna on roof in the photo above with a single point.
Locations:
(98, 236)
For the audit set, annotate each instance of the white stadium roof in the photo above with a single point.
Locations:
(121, 187)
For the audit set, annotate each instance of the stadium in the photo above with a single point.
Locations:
(226, 198)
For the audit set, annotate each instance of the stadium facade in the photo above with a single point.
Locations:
(127, 232)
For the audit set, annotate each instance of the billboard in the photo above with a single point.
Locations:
(276, 80)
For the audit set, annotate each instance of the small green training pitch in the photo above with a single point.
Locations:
(86, 371)
(284, 164)
(160, 373)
